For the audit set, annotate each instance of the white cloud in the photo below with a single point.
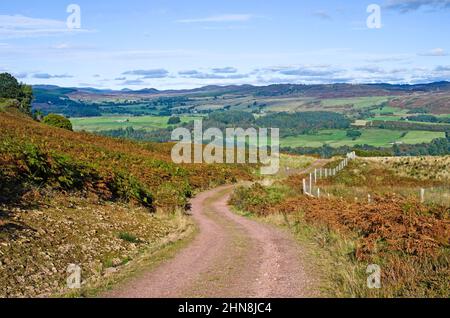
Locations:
(61, 46)
(220, 18)
(50, 76)
(405, 6)
(19, 26)
(155, 73)
(435, 52)
(322, 15)
(225, 70)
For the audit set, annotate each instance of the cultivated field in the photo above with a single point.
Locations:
(93, 124)
(373, 137)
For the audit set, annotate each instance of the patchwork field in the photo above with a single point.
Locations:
(357, 102)
(373, 137)
(115, 122)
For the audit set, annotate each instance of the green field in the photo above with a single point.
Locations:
(373, 137)
(116, 122)
(357, 102)
(386, 118)
(389, 109)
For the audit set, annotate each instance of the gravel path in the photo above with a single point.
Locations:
(231, 256)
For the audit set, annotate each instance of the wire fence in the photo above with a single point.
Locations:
(309, 184)
(431, 195)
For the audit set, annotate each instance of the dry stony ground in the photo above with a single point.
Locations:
(37, 245)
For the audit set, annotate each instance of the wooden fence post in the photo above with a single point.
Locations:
(422, 195)
(304, 186)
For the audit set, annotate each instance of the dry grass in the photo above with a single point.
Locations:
(408, 239)
(422, 168)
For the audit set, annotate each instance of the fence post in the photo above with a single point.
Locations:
(422, 195)
(318, 193)
(369, 199)
(304, 186)
(320, 173)
(315, 175)
(310, 183)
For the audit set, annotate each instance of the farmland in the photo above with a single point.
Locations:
(374, 137)
(355, 103)
(379, 112)
(94, 124)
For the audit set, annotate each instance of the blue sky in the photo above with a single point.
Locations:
(184, 44)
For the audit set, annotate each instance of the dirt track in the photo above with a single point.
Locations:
(231, 257)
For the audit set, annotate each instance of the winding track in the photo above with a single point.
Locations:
(231, 256)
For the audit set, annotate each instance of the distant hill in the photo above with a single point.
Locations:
(275, 89)
(86, 101)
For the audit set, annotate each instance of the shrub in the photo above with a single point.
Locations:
(256, 198)
(128, 237)
(57, 121)
(174, 120)
(353, 134)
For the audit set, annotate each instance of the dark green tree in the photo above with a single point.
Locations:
(26, 96)
(174, 120)
(9, 86)
(353, 134)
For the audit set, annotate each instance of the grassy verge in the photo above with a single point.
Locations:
(327, 255)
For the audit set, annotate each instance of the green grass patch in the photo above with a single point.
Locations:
(373, 137)
(149, 123)
(356, 102)
(128, 237)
